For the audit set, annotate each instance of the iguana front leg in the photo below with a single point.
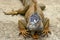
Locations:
(23, 30)
(46, 27)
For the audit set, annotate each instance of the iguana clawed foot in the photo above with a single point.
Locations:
(45, 32)
(23, 32)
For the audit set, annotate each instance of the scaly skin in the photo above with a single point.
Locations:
(30, 7)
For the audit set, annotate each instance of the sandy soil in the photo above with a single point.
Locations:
(8, 23)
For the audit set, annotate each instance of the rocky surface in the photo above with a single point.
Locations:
(8, 23)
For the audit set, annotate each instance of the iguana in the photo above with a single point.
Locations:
(35, 23)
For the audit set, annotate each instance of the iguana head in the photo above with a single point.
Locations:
(35, 23)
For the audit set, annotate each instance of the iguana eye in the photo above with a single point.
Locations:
(35, 21)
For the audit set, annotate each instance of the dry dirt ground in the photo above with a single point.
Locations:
(8, 23)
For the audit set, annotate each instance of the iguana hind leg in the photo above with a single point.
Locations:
(28, 2)
(46, 27)
(19, 11)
